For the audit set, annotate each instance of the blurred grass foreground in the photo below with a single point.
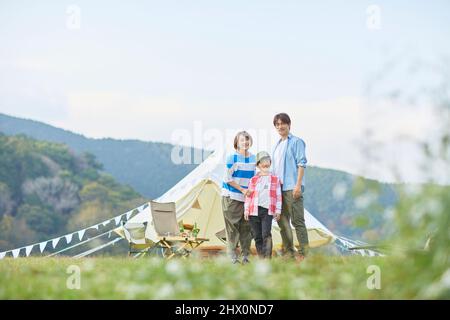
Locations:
(318, 277)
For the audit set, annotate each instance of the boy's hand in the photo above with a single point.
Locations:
(246, 216)
(246, 192)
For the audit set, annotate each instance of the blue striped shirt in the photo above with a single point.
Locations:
(239, 169)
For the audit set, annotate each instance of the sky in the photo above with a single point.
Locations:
(188, 71)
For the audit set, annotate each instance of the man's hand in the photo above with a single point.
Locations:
(297, 192)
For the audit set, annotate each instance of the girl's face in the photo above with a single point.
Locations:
(243, 143)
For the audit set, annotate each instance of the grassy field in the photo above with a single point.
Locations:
(318, 277)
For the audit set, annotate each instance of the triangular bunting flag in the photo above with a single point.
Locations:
(81, 234)
(69, 238)
(2, 255)
(106, 222)
(196, 205)
(95, 227)
(117, 219)
(55, 242)
(42, 246)
(129, 214)
(28, 250)
(15, 252)
(109, 234)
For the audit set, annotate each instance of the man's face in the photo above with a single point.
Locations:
(282, 128)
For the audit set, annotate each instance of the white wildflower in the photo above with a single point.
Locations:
(261, 268)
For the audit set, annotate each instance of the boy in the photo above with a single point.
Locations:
(263, 204)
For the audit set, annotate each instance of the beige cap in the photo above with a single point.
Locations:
(261, 155)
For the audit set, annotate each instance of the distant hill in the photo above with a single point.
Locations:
(349, 205)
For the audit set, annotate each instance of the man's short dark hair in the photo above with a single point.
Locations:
(283, 117)
(246, 135)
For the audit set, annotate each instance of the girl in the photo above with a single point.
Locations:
(240, 168)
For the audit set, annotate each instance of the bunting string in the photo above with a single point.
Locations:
(69, 237)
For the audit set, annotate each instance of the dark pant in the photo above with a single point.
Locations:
(292, 210)
(261, 228)
(237, 228)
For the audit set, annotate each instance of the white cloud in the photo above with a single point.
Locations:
(120, 115)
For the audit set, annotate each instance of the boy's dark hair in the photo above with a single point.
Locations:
(242, 133)
(283, 117)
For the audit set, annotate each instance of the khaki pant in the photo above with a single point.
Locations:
(292, 210)
(237, 229)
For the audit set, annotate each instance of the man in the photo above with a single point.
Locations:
(289, 163)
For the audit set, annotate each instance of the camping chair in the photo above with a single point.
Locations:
(171, 241)
(135, 234)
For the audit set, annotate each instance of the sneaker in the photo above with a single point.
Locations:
(245, 260)
(235, 261)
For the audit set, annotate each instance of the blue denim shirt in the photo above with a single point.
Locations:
(295, 157)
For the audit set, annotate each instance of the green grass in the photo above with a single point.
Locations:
(318, 277)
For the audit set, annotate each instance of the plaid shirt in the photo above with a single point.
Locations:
(251, 202)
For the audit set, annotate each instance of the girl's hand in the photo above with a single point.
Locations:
(246, 192)
(246, 217)
(277, 217)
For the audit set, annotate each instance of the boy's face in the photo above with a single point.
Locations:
(264, 165)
